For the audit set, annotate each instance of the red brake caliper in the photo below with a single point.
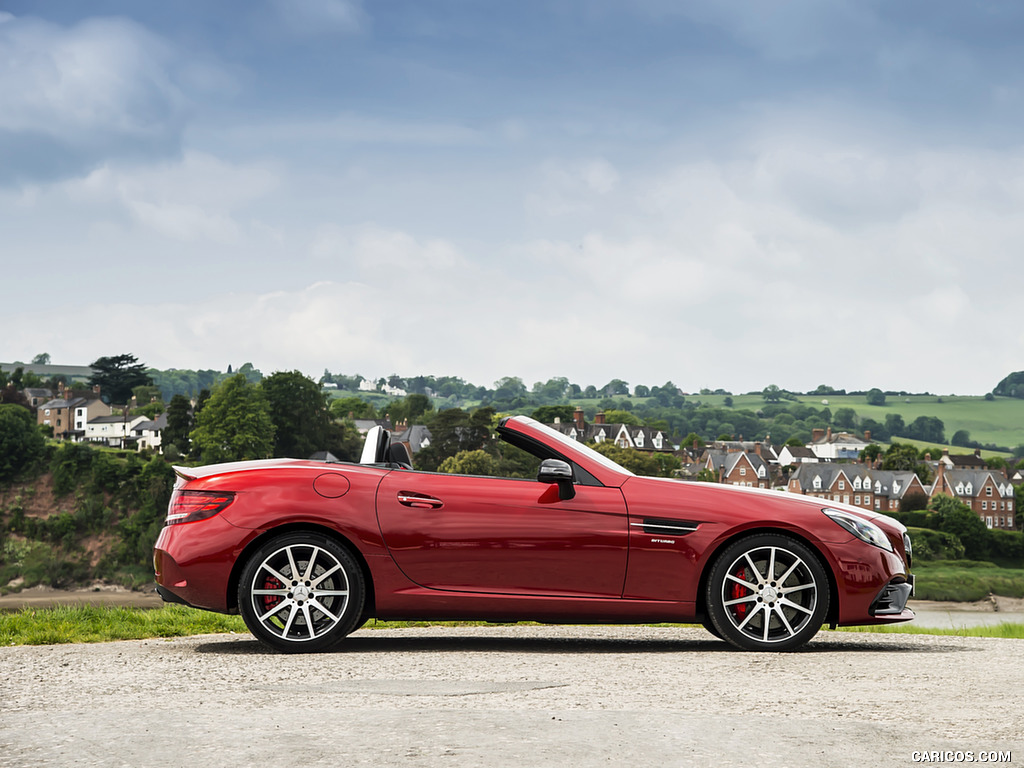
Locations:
(737, 592)
(271, 601)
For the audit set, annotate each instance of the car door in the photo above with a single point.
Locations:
(501, 535)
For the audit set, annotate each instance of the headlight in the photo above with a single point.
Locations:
(863, 529)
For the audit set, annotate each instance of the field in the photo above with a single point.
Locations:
(999, 421)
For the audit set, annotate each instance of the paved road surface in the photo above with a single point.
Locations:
(504, 696)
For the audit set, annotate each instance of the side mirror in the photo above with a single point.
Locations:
(559, 472)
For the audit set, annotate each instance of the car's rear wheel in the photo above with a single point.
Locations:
(301, 592)
(767, 592)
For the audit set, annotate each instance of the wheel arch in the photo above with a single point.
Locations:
(299, 527)
(833, 588)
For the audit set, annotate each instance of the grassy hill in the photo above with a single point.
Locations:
(999, 421)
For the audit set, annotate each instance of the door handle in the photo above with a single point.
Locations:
(418, 500)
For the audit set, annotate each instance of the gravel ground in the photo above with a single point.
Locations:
(521, 695)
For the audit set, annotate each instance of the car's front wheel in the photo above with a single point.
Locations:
(301, 592)
(767, 592)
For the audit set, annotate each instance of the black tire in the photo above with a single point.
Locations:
(767, 592)
(710, 627)
(301, 593)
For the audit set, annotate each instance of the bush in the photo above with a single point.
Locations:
(935, 545)
(957, 518)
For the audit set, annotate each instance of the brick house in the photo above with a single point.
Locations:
(856, 484)
(70, 412)
(987, 492)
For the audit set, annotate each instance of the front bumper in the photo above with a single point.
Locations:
(892, 600)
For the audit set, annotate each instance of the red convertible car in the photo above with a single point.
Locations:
(308, 551)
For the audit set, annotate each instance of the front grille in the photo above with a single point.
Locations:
(892, 599)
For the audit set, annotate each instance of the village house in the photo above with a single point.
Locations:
(856, 484)
(69, 412)
(623, 435)
(147, 434)
(837, 446)
(796, 454)
(114, 430)
(987, 492)
(744, 468)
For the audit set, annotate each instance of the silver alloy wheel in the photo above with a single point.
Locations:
(769, 594)
(300, 592)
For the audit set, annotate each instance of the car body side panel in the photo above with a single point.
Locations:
(504, 536)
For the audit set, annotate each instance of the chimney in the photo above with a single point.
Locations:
(828, 435)
(928, 457)
(940, 478)
(867, 435)
(977, 452)
(757, 449)
(599, 418)
(817, 435)
(577, 416)
(945, 451)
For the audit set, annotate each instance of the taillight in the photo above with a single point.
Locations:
(190, 506)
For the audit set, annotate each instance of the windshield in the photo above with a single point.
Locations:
(575, 446)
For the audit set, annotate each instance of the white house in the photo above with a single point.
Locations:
(112, 430)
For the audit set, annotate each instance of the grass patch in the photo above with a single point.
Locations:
(1004, 629)
(965, 580)
(98, 624)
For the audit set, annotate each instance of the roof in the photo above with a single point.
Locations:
(60, 402)
(155, 425)
(842, 438)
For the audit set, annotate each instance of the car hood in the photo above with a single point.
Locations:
(779, 502)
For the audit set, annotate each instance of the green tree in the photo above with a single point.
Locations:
(179, 424)
(870, 453)
(957, 518)
(470, 463)
(352, 408)
(117, 376)
(43, 358)
(235, 423)
(894, 425)
(901, 457)
(637, 462)
(929, 429)
(615, 387)
(21, 444)
(547, 414)
(454, 430)
(693, 440)
(1011, 386)
(875, 396)
(845, 418)
(961, 438)
(615, 416)
(771, 393)
(298, 409)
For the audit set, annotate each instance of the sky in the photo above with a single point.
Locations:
(718, 193)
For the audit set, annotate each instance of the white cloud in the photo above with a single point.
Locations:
(72, 96)
(194, 199)
(321, 17)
